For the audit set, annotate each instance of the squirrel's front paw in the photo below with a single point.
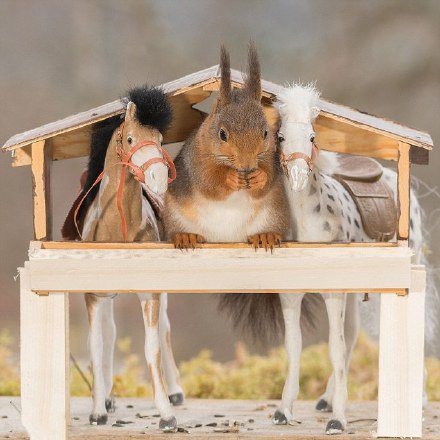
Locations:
(267, 240)
(236, 180)
(256, 180)
(185, 240)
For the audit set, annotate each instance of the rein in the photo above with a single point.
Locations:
(137, 171)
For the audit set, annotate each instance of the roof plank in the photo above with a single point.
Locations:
(329, 109)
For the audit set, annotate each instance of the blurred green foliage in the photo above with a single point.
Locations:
(248, 376)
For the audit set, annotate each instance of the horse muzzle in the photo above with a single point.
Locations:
(298, 172)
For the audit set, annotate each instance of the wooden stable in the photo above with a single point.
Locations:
(55, 268)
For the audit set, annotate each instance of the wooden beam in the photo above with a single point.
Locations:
(403, 191)
(41, 170)
(419, 156)
(66, 245)
(44, 350)
(333, 135)
(401, 361)
(214, 270)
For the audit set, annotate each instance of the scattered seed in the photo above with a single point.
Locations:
(212, 424)
(117, 425)
(156, 415)
(218, 415)
(129, 406)
(124, 422)
(251, 420)
(75, 418)
(142, 416)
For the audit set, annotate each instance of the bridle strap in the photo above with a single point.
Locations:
(137, 171)
(310, 160)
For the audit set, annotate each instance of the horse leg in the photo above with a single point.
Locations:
(291, 305)
(95, 309)
(171, 373)
(151, 313)
(109, 338)
(335, 304)
(351, 329)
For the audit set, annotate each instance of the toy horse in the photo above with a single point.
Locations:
(132, 170)
(320, 190)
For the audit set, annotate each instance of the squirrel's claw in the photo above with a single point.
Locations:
(183, 240)
(256, 180)
(235, 180)
(267, 240)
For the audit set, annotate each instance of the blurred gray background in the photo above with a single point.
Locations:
(60, 57)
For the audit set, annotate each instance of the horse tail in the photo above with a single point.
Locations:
(259, 316)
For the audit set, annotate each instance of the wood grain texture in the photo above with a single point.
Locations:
(35, 245)
(44, 352)
(42, 198)
(401, 360)
(361, 417)
(344, 120)
(215, 270)
(403, 191)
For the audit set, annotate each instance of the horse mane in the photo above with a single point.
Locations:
(299, 102)
(152, 109)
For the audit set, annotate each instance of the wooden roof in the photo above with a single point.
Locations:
(339, 128)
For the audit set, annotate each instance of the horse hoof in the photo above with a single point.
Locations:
(168, 425)
(279, 418)
(110, 404)
(98, 419)
(334, 427)
(176, 399)
(323, 406)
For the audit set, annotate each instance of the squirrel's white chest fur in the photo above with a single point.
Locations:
(232, 219)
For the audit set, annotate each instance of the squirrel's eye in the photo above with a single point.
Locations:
(265, 134)
(222, 134)
(280, 137)
(129, 139)
(312, 138)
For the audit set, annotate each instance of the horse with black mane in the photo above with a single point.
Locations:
(127, 176)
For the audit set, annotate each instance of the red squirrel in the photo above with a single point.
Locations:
(229, 184)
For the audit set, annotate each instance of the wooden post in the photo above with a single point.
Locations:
(44, 349)
(401, 359)
(403, 191)
(41, 167)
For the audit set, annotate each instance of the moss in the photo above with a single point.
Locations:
(248, 376)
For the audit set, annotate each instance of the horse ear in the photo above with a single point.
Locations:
(225, 86)
(315, 112)
(252, 84)
(130, 114)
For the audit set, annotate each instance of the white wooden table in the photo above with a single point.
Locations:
(56, 268)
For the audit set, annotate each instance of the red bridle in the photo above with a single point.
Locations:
(310, 160)
(125, 160)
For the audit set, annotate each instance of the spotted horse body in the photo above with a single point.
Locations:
(322, 211)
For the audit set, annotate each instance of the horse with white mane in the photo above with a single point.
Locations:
(128, 175)
(322, 211)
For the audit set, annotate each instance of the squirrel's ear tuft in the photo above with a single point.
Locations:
(225, 86)
(253, 80)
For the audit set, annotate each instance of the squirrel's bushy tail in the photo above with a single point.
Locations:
(260, 317)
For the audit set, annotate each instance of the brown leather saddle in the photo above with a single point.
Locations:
(362, 178)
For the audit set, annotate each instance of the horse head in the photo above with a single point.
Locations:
(298, 106)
